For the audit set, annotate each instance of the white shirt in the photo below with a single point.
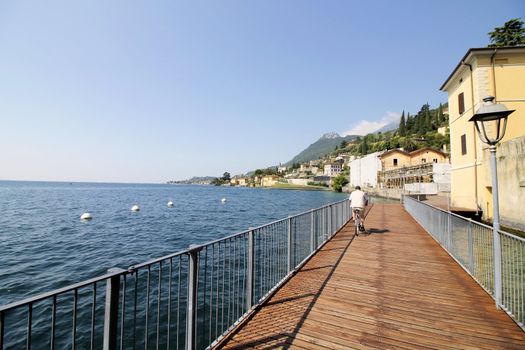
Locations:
(358, 199)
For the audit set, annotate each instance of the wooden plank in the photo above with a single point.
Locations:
(395, 289)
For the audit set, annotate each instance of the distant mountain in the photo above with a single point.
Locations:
(321, 147)
(389, 127)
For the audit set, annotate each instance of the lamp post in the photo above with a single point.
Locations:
(488, 121)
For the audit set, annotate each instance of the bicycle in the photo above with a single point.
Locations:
(359, 227)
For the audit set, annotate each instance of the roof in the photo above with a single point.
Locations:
(393, 151)
(413, 152)
(479, 51)
(428, 149)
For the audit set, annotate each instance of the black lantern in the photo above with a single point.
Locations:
(488, 121)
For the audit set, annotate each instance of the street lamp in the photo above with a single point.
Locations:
(488, 121)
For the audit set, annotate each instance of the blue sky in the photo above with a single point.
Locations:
(136, 91)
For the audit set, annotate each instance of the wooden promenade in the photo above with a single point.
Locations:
(393, 289)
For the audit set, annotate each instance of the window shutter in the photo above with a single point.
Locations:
(463, 144)
(461, 103)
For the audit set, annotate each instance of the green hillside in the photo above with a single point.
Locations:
(320, 148)
(414, 132)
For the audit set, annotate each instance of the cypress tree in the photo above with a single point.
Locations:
(440, 116)
(402, 126)
(428, 121)
(364, 146)
(409, 124)
(417, 123)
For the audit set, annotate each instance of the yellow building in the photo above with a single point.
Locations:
(427, 155)
(397, 158)
(269, 180)
(498, 72)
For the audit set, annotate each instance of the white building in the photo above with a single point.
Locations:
(332, 169)
(363, 171)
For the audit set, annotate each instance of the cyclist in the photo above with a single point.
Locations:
(358, 202)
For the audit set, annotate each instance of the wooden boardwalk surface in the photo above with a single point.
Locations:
(393, 289)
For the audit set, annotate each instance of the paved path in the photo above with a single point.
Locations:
(393, 289)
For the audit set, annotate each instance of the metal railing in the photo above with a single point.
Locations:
(187, 300)
(471, 244)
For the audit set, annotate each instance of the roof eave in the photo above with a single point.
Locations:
(470, 54)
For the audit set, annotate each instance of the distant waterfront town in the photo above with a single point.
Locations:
(435, 153)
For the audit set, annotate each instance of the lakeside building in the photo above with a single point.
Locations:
(332, 169)
(425, 170)
(364, 170)
(269, 180)
(239, 181)
(397, 158)
(498, 72)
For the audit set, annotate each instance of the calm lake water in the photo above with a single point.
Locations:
(44, 245)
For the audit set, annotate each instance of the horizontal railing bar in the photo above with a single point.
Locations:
(465, 219)
(60, 290)
(512, 236)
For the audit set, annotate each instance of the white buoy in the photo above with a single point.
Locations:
(135, 208)
(223, 200)
(170, 204)
(86, 216)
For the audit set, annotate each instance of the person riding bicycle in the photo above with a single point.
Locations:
(358, 202)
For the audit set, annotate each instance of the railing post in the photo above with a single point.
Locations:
(249, 273)
(312, 237)
(290, 246)
(330, 219)
(2, 330)
(191, 311)
(111, 310)
(470, 247)
(449, 232)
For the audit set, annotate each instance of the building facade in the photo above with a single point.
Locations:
(332, 169)
(397, 158)
(498, 72)
(364, 171)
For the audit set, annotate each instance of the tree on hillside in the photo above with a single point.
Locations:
(409, 124)
(226, 176)
(402, 128)
(364, 146)
(511, 34)
(428, 121)
(440, 118)
(409, 145)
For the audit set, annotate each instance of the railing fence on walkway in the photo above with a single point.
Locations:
(471, 244)
(186, 300)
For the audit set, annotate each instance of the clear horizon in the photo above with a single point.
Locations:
(124, 92)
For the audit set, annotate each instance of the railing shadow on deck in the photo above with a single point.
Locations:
(495, 260)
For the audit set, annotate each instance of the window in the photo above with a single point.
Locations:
(423, 160)
(435, 160)
(461, 103)
(463, 144)
(395, 161)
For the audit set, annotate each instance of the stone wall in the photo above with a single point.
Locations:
(511, 179)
